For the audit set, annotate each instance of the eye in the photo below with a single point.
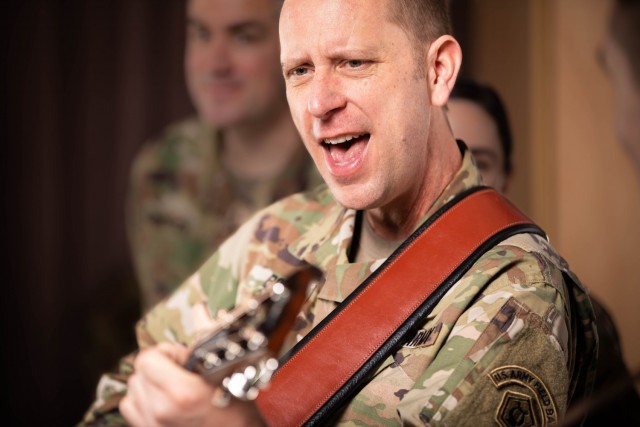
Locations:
(355, 63)
(247, 37)
(298, 71)
(243, 38)
(198, 32)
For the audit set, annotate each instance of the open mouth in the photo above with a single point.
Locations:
(347, 149)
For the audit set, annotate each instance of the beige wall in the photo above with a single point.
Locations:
(571, 175)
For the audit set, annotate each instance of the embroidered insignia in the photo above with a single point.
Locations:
(515, 410)
(424, 337)
(514, 406)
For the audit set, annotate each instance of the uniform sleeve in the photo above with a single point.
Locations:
(494, 352)
(111, 389)
(170, 235)
(140, 225)
(521, 378)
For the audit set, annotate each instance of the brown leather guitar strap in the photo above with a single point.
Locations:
(324, 370)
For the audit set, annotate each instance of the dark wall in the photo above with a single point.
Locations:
(84, 83)
(462, 30)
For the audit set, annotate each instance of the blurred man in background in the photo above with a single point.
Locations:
(193, 187)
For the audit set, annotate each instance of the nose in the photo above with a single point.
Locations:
(219, 56)
(326, 97)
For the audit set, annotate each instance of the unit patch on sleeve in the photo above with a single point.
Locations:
(526, 400)
(516, 410)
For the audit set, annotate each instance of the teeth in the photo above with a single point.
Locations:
(340, 139)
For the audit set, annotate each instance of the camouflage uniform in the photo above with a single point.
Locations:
(183, 203)
(498, 349)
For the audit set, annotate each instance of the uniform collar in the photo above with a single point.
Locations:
(327, 242)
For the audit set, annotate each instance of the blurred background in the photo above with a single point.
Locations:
(85, 83)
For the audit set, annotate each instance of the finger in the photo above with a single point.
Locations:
(130, 411)
(159, 367)
(165, 385)
(176, 352)
(149, 404)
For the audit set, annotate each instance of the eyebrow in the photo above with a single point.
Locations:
(344, 52)
(337, 54)
(234, 28)
(246, 25)
(294, 61)
(484, 151)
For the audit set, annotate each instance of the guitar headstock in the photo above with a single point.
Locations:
(239, 354)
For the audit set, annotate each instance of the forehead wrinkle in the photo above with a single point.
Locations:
(332, 39)
(327, 34)
(327, 29)
(354, 22)
(353, 42)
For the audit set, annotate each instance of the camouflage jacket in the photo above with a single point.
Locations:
(498, 349)
(183, 203)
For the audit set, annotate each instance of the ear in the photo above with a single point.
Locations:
(443, 63)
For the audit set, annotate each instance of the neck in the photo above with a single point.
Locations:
(262, 149)
(371, 246)
(397, 220)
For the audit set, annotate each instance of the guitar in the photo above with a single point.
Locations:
(240, 354)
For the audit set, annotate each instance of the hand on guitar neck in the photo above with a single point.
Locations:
(224, 371)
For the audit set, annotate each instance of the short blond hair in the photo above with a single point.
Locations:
(423, 20)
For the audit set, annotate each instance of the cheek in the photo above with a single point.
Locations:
(250, 66)
(297, 101)
(491, 178)
(194, 68)
(191, 73)
(257, 64)
(195, 60)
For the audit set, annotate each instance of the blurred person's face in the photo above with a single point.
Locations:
(231, 61)
(358, 97)
(626, 93)
(472, 124)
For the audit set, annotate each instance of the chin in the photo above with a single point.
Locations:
(218, 120)
(353, 196)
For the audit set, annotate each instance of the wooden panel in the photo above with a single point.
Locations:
(599, 198)
(571, 175)
(498, 55)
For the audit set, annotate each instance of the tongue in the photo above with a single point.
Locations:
(347, 152)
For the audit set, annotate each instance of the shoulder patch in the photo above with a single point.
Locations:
(530, 405)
